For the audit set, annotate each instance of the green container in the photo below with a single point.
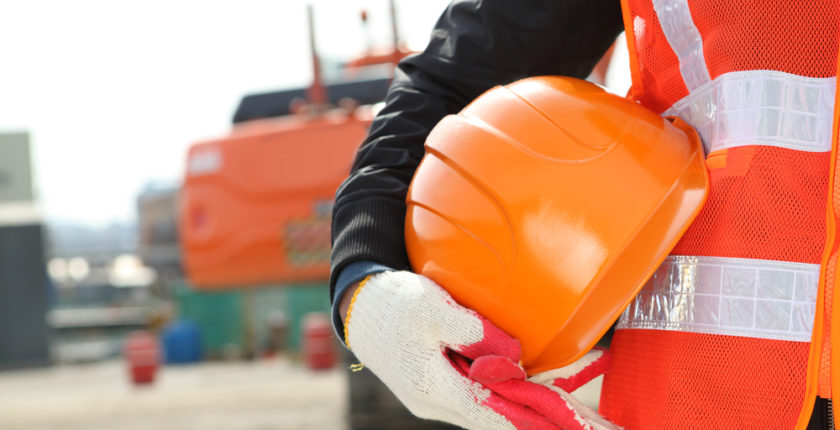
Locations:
(300, 300)
(262, 306)
(219, 315)
(239, 317)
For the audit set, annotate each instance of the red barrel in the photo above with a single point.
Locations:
(318, 344)
(142, 354)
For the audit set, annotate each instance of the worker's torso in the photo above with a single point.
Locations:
(721, 335)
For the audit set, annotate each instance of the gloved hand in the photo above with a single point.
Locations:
(446, 362)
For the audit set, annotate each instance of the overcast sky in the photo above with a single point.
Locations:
(114, 91)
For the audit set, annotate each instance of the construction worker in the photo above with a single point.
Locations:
(757, 81)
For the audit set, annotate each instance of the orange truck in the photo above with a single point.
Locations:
(256, 204)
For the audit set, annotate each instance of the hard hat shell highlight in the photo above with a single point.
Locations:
(546, 204)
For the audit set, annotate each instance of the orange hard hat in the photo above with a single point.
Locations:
(546, 204)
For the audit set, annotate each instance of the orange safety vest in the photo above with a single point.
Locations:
(734, 330)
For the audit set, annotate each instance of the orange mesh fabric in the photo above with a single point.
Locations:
(794, 36)
(824, 386)
(674, 380)
(766, 203)
(661, 82)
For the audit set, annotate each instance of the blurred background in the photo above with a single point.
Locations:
(166, 179)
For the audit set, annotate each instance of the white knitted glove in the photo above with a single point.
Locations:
(446, 362)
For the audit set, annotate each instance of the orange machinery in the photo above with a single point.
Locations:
(256, 204)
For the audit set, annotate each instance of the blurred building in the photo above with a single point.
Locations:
(68, 240)
(24, 288)
(103, 289)
(157, 232)
(157, 207)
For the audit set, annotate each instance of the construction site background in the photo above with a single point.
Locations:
(110, 210)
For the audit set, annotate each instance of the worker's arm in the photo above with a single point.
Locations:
(442, 360)
(474, 46)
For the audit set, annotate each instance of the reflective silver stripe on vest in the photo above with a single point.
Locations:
(756, 107)
(679, 29)
(761, 107)
(729, 296)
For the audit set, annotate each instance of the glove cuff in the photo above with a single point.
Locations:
(350, 309)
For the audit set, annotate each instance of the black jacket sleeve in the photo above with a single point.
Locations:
(475, 45)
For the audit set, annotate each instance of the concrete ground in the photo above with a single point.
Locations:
(268, 395)
(265, 395)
